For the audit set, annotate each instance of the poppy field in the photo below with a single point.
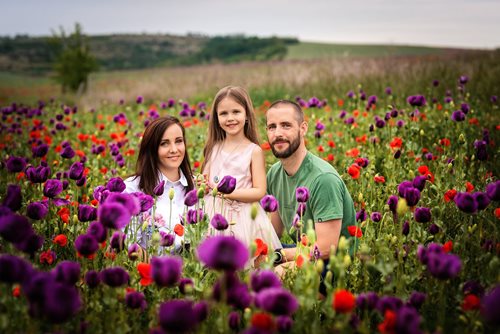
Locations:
(420, 161)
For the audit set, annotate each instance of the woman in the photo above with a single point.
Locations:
(162, 158)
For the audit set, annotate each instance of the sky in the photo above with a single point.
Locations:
(449, 23)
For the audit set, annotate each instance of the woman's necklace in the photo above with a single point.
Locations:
(217, 178)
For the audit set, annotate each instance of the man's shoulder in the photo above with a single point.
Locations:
(320, 166)
(274, 168)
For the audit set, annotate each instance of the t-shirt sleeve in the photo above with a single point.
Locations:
(326, 198)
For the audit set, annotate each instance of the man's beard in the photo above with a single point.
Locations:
(292, 147)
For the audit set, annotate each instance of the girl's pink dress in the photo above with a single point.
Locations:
(237, 164)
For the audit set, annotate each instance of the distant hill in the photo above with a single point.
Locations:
(34, 55)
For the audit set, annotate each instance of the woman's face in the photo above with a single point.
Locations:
(172, 149)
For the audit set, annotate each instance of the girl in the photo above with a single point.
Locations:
(162, 157)
(232, 148)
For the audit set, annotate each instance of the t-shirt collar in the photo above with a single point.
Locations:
(182, 179)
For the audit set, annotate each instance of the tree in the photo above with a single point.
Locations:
(74, 61)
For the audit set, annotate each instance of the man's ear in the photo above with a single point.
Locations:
(303, 128)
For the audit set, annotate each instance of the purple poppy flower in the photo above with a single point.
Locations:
(38, 174)
(113, 215)
(407, 321)
(92, 279)
(406, 228)
(379, 123)
(135, 300)
(185, 284)
(200, 310)
(264, 279)
(235, 292)
(392, 202)
(15, 164)
(397, 154)
(284, 324)
(139, 99)
(61, 302)
(349, 120)
(13, 199)
(76, 170)
(422, 215)
(166, 239)
(342, 114)
(458, 116)
(129, 201)
(219, 222)
(376, 216)
(412, 196)
(367, 300)
(166, 270)
(403, 186)
(302, 194)
(52, 188)
(234, 321)
(86, 244)
(361, 215)
(494, 99)
(191, 198)
(463, 79)
(482, 200)
(433, 229)
(133, 251)
(392, 303)
(388, 90)
(67, 152)
(15, 228)
(223, 253)
(301, 208)
(86, 213)
(98, 231)
(117, 241)
(419, 182)
(473, 287)
(466, 202)
(435, 83)
(194, 216)
(67, 272)
(491, 306)
(493, 190)
(269, 203)
(114, 276)
(416, 100)
(465, 108)
(443, 266)
(116, 185)
(31, 244)
(40, 151)
(277, 301)
(226, 185)
(37, 210)
(14, 269)
(177, 316)
(417, 299)
(146, 201)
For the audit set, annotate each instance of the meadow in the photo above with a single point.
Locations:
(415, 139)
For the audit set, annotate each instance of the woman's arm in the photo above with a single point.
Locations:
(258, 190)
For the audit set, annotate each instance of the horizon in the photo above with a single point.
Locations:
(460, 24)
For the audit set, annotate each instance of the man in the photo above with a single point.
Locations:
(330, 206)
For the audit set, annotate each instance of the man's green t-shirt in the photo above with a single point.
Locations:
(329, 198)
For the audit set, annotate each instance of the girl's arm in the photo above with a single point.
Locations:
(258, 190)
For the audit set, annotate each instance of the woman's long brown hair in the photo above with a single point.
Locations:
(148, 161)
(215, 132)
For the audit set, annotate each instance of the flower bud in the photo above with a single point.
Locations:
(311, 236)
(461, 138)
(360, 197)
(347, 260)
(411, 174)
(402, 207)
(254, 211)
(201, 192)
(343, 243)
(214, 192)
(328, 276)
(171, 193)
(320, 266)
(422, 133)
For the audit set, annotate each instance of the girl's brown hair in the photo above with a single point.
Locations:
(147, 162)
(215, 132)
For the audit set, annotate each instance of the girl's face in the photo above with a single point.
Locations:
(172, 149)
(231, 116)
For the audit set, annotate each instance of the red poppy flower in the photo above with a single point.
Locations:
(330, 157)
(265, 146)
(469, 186)
(497, 213)
(354, 171)
(343, 301)
(362, 139)
(16, 291)
(261, 249)
(144, 270)
(474, 121)
(355, 231)
(104, 170)
(196, 164)
(331, 143)
(340, 103)
(388, 326)
(448, 246)
(262, 321)
(354, 152)
(396, 142)
(445, 142)
(300, 261)
(61, 240)
(423, 170)
(179, 230)
(47, 257)
(471, 302)
(64, 215)
(450, 195)
(379, 179)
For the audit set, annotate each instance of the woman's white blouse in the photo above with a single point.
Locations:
(166, 215)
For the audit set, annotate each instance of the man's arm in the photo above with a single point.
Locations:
(327, 235)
